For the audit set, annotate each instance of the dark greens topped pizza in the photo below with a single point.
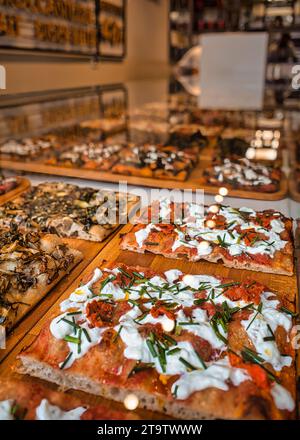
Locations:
(30, 265)
(68, 210)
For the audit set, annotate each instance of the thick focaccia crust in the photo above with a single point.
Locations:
(68, 211)
(27, 396)
(160, 242)
(97, 373)
(62, 258)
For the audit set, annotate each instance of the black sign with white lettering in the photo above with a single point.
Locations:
(67, 26)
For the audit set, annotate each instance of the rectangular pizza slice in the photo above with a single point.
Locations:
(32, 400)
(68, 210)
(92, 155)
(240, 238)
(244, 175)
(156, 161)
(30, 265)
(189, 346)
(28, 148)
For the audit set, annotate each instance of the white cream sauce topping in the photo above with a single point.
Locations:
(216, 373)
(246, 173)
(282, 397)
(46, 411)
(6, 410)
(229, 238)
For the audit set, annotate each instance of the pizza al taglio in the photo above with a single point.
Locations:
(92, 155)
(163, 162)
(187, 345)
(30, 400)
(68, 210)
(240, 238)
(30, 265)
(244, 175)
(28, 148)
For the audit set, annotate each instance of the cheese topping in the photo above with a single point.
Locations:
(192, 231)
(6, 410)
(282, 398)
(159, 301)
(46, 411)
(244, 173)
(215, 376)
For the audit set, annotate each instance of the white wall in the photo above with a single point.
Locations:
(147, 57)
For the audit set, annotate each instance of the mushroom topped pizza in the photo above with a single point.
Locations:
(68, 210)
(30, 265)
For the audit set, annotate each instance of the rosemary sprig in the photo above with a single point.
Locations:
(201, 360)
(187, 364)
(126, 274)
(80, 341)
(259, 309)
(86, 334)
(222, 241)
(140, 367)
(289, 312)
(117, 334)
(173, 351)
(269, 338)
(74, 313)
(151, 347)
(62, 366)
(107, 280)
(249, 355)
(226, 285)
(72, 339)
(175, 391)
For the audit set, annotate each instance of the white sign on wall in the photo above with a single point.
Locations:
(232, 70)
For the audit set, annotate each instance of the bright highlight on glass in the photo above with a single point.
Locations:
(250, 153)
(214, 209)
(210, 224)
(219, 198)
(223, 191)
(131, 402)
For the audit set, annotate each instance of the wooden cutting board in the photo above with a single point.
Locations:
(194, 181)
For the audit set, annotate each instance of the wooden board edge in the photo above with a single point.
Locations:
(191, 183)
(295, 195)
(23, 185)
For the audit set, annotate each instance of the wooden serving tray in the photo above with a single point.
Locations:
(194, 181)
(295, 195)
(284, 285)
(23, 185)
